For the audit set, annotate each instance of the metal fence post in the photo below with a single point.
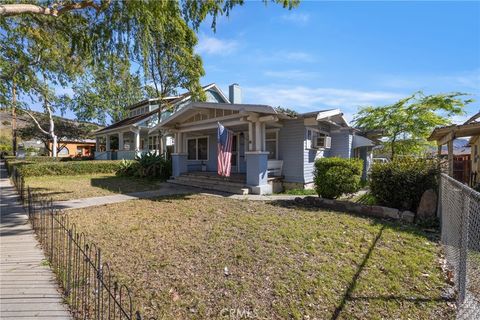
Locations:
(99, 284)
(69, 264)
(462, 264)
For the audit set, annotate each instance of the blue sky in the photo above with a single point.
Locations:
(345, 54)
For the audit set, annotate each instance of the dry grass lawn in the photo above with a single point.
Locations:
(84, 186)
(198, 257)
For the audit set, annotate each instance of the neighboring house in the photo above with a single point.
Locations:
(470, 164)
(77, 148)
(271, 149)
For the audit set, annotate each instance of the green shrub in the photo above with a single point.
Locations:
(336, 176)
(401, 183)
(57, 168)
(149, 165)
(127, 168)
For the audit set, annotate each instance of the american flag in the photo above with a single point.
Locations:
(225, 141)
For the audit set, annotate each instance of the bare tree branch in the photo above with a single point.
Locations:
(36, 121)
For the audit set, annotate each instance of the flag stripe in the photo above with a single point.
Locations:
(224, 151)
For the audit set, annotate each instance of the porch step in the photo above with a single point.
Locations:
(234, 178)
(211, 184)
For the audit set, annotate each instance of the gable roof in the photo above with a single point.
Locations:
(128, 121)
(170, 102)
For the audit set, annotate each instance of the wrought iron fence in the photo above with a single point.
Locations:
(89, 286)
(459, 208)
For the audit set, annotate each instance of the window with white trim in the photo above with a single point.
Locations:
(197, 148)
(271, 144)
(311, 136)
(153, 143)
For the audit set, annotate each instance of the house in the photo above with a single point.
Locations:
(447, 135)
(271, 149)
(75, 148)
(132, 136)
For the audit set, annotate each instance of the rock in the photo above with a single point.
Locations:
(407, 216)
(428, 205)
(391, 213)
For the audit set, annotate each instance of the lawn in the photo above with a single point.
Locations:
(84, 186)
(198, 257)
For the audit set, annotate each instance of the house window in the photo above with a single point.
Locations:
(311, 137)
(153, 143)
(197, 148)
(79, 151)
(64, 152)
(271, 144)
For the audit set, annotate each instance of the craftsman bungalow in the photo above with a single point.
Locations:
(271, 149)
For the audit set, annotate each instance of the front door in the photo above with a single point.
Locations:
(234, 159)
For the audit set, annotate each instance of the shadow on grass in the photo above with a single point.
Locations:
(418, 230)
(125, 185)
(353, 283)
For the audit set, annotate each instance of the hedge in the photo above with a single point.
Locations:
(337, 176)
(401, 183)
(30, 169)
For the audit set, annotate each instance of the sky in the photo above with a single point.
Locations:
(344, 54)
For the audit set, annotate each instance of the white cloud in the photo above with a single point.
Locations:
(469, 80)
(305, 99)
(291, 74)
(297, 56)
(296, 17)
(215, 46)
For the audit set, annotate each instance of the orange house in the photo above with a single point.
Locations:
(80, 148)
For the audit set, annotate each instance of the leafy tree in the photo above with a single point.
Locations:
(105, 91)
(65, 131)
(407, 123)
(46, 42)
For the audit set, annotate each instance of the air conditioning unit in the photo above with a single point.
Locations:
(323, 142)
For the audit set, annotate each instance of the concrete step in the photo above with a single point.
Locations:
(209, 176)
(211, 181)
(211, 186)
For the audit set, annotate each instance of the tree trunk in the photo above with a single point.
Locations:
(392, 146)
(54, 145)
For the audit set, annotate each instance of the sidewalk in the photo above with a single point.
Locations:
(27, 286)
(167, 190)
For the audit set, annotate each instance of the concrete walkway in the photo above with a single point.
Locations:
(27, 287)
(166, 189)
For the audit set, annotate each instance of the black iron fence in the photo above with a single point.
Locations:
(89, 287)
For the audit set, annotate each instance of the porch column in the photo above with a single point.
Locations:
(257, 173)
(258, 136)
(107, 142)
(136, 140)
(250, 137)
(97, 144)
(450, 158)
(120, 141)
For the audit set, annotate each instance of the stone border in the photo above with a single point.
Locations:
(358, 208)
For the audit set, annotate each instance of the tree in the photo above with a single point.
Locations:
(407, 123)
(65, 130)
(105, 91)
(89, 31)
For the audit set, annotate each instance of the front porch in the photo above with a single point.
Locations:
(255, 142)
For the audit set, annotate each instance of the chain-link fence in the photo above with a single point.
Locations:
(459, 208)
